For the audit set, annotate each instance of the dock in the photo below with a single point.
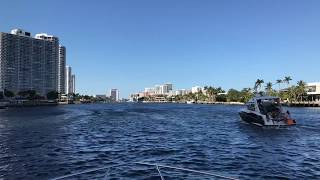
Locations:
(303, 104)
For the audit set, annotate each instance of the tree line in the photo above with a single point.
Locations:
(29, 95)
(289, 93)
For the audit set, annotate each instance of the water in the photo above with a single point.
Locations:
(48, 142)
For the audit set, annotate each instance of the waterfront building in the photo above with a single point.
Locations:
(171, 93)
(178, 92)
(165, 88)
(313, 91)
(28, 63)
(196, 89)
(182, 92)
(61, 70)
(157, 89)
(68, 80)
(114, 94)
(149, 91)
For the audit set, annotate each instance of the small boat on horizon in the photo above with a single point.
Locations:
(266, 111)
(191, 102)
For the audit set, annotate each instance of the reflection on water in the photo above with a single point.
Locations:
(46, 142)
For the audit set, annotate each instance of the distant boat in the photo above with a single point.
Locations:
(266, 111)
(191, 102)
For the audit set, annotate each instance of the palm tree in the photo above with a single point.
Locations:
(279, 81)
(287, 80)
(257, 85)
(246, 95)
(300, 89)
(269, 88)
(210, 92)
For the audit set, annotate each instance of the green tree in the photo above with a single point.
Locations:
(52, 95)
(221, 98)
(287, 80)
(8, 93)
(269, 89)
(258, 84)
(246, 95)
(213, 92)
(29, 94)
(233, 95)
(279, 82)
(300, 90)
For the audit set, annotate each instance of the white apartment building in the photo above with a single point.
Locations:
(313, 91)
(196, 89)
(28, 63)
(68, 80)
(61, 70)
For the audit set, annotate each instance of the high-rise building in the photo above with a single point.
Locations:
(157, 89)
(68, 80)
(73, 83)
(61, 70)
(165, 88)
(170, 86)
(28, 63)
(114, 94)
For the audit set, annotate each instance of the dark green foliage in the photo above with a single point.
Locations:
(29, 94)
(221, 98)
(8, 93)
(52, 95)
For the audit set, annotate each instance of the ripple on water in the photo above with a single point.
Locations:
(49, 142)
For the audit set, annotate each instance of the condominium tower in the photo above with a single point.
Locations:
(28, 63)
(68, 80)
(73, 83)
(61, 70)
(114, 94)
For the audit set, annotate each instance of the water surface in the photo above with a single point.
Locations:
(48, 142)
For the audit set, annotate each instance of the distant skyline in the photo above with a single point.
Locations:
(130, 45)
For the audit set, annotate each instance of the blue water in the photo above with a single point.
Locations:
(48, 142)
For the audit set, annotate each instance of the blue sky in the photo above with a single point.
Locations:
(132, 44)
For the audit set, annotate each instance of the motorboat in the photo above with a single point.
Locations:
(191, 102)
(266, 111)
(158, 168)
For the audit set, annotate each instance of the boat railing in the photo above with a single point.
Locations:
(157, 167)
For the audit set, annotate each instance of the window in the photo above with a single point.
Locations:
(311, 88)
(251, 107)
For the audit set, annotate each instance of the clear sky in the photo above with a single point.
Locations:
(132, 44)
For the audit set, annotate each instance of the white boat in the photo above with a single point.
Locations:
(266, 111)
(158, 168)
(191, 102)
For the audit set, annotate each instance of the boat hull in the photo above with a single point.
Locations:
(252, 118)
(260, 120)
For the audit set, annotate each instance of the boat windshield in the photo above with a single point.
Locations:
(267, 106)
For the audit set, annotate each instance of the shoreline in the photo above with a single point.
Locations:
(27, 103)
